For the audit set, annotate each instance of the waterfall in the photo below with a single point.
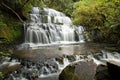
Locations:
(48, 26)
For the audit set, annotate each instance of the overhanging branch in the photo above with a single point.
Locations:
(13, 12)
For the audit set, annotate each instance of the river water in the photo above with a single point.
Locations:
(46, 55)
(52, 51)
(46, 63)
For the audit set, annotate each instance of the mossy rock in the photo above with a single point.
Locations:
(82, 70)
(1, 75)
(68, 74)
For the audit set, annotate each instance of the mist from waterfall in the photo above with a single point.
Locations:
(48, 26)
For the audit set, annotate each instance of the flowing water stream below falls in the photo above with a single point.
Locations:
(46, 63)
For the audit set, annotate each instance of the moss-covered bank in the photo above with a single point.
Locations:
(11, 31)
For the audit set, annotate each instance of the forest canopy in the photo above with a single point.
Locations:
(101, 14)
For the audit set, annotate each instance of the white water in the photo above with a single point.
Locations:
(62, 66)
(48, 26)
(49, 70)
(105, 57)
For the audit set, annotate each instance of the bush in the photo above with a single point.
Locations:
(1, 75)
(104, 15)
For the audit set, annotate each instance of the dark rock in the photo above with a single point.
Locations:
(51, 62)
(76, 36)
(102, 73)
(82, 70)
(32, 75)
(114, 69)
(51, 65)
(71, 58)
(59, 59)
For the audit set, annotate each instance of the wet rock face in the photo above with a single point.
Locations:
(102, 73)
(8, 66)
(32, 71)
(114, 69)
(9, 69)
(71, 58)
(79, 71)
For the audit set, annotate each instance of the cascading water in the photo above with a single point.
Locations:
(104, 56)
(48, 26)
(53, 66)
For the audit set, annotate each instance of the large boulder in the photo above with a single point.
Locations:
(114, 69)
(102, 73)
(9, 67)
(82, 70)
(111, 71)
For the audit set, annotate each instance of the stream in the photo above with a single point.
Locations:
(46, 63)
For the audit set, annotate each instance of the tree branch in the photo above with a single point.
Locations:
(13, 12)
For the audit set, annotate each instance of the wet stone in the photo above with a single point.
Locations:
(114, 69)
(71, 58)
(79, 71)
(102, 73)
(59, 59)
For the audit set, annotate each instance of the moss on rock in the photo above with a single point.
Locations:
(82, 70)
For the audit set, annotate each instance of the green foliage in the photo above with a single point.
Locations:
(23, 7)
(26, 9)
(10, 28)
(65, 6)
(86, 14)
(101, 14)
(1, 75)
(4, 54)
